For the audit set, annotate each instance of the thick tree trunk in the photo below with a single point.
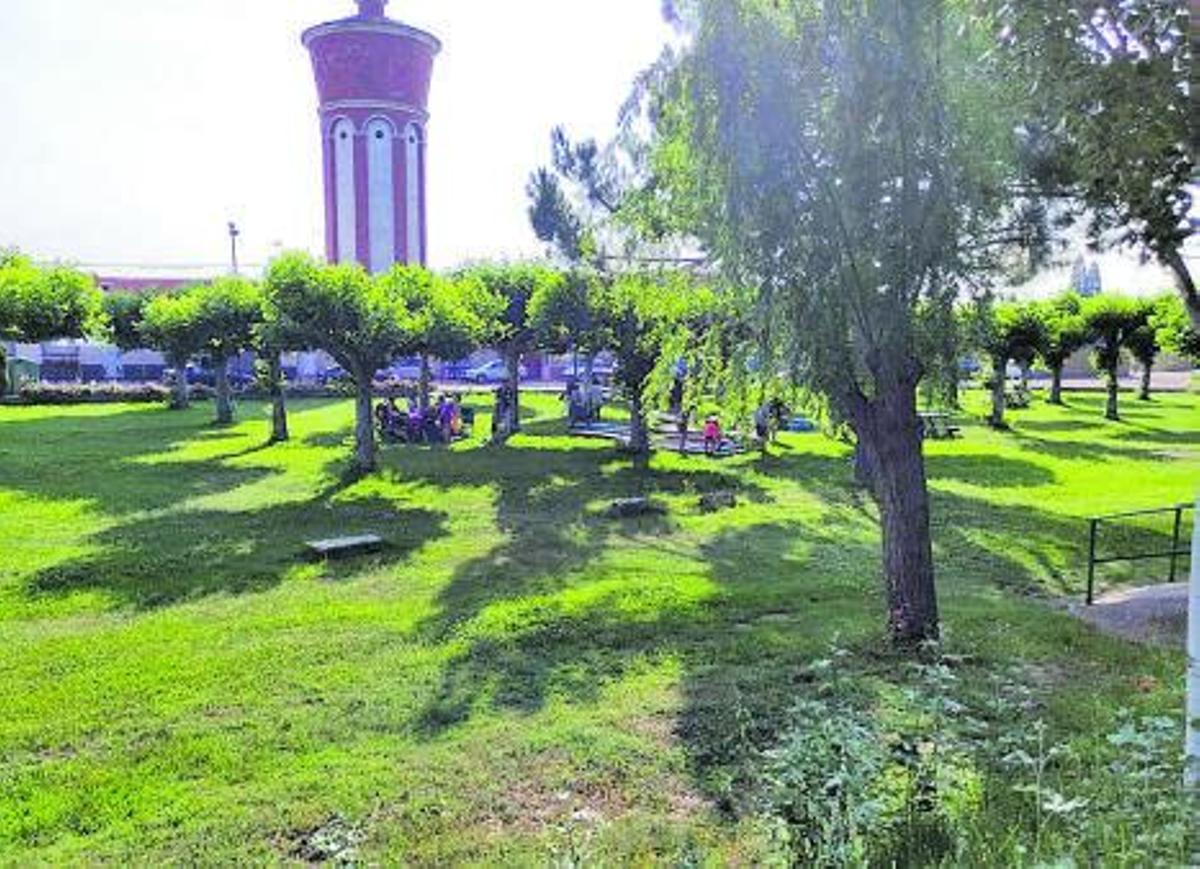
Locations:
(224, 398)
(1185, 284)
(364, 428)
(279, 420)
(425, 385)
(639, 437)
(996, 420)
(179, 401)
(889, 431)
(1147, 376)
(1056, 372)
(1110, 410)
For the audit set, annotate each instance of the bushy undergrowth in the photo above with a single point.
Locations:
(94, 393)
(943, 765)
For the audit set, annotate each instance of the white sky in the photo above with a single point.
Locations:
(136, 128)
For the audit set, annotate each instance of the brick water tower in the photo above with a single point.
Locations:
(373, 77)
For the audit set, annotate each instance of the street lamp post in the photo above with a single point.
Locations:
(234, 232)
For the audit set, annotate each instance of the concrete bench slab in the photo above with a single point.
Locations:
(344, 547)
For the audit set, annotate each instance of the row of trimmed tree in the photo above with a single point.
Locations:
(1052, 331)
(366, 322)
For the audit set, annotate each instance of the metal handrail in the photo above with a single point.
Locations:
(1174, 554)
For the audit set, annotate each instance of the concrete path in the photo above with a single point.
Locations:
(1152, 614)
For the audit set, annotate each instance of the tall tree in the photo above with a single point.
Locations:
(512, 333)
(228, 311)
(1064, 334)
(848, 161)
(360, 322)
(1112, 321)
(1110, 106)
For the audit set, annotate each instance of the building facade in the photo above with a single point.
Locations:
(373, 76)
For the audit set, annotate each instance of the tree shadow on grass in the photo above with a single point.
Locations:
(989, 471)
(186, 555)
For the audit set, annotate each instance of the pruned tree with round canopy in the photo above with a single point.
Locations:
(171, 324)
(1065, 333)
(40, 304)
(1012, 332)
(1112, 322)
(448, 317)
(360, 322)
(228, 311)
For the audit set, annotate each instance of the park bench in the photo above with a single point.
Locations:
(938, 426)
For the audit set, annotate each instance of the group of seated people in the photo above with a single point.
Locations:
(584, 401)
(441, 422)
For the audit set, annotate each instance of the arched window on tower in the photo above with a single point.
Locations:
(381, 194)
(345, 204)
(413, 193)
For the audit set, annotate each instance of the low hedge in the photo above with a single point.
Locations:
(95, 393)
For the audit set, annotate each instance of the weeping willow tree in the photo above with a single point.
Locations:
(849, 162)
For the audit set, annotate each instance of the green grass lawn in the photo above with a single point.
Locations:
(516, 678)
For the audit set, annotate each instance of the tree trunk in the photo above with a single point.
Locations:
(424, 387)
(179, 401)
(889, 431)
(224, 400)
(1185, 284)
(1147, 374)
(279, 420)
(1056, 372)
(364, 427)
(996, 420)
(3, 371)
(639, 437)
(512, 360)
(1110, 410)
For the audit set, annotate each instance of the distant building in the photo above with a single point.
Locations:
(1085, 278)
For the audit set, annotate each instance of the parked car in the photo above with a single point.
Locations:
(492, 372)
(405, 369)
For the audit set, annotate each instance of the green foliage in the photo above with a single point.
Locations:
(447, 319)
(1065, 331)
(172, 325)
(512, 286)
(228, 311)
(124, 313)
(564, 313)
(551, 683)
(1016, 332)
(360, 322)
(1108, 100)
(1112, 323)
(1174, 328)
(40, 304)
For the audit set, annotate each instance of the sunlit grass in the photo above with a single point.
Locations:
(181, 684)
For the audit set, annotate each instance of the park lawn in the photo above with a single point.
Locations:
(516, 678)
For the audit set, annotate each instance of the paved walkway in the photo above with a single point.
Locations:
(1153, 614)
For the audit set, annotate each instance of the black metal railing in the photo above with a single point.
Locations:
(1174, 554)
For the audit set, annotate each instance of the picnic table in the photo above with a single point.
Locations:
(938, 426)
